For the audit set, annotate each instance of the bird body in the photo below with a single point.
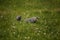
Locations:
(32, 19)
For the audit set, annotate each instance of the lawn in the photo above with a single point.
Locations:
(46, 28)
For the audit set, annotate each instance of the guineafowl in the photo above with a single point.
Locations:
(32, 19)
(18, 18)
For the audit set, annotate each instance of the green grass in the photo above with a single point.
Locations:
(46, 28)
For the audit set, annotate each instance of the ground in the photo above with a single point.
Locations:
(46, 28)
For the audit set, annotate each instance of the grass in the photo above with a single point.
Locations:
(46, 28)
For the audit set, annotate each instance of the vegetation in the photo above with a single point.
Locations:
(46, 28)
